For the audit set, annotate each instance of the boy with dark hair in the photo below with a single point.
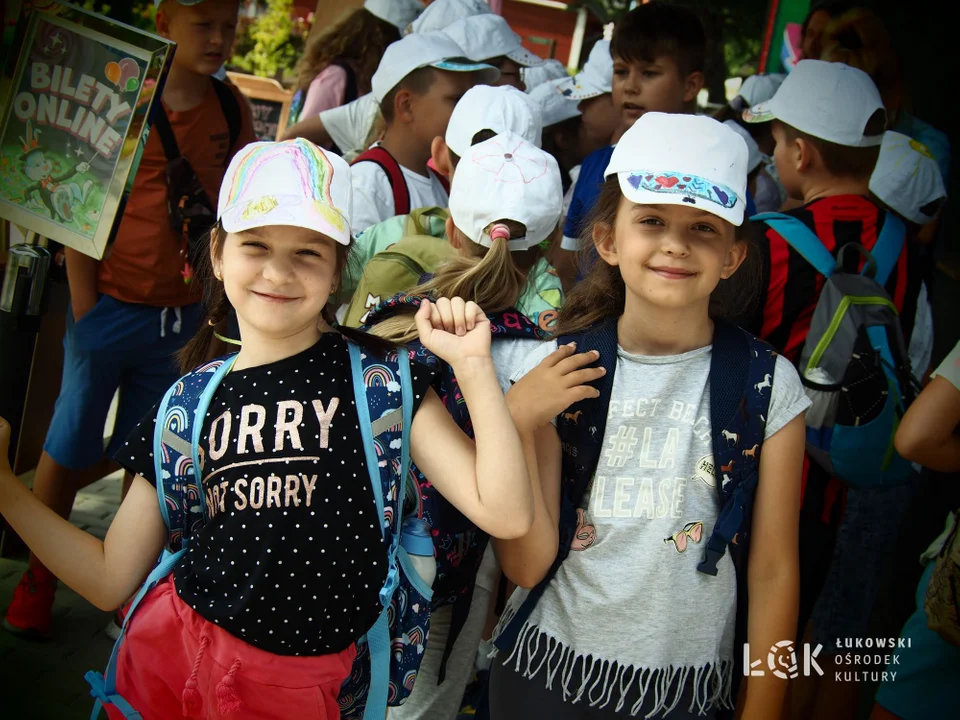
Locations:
(828, 123)
(658, 57)
(132, 311)
(418, 83)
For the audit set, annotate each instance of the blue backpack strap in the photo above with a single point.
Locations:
(741, 378)
(178, 480)
(888, 247)
(388, 491)
(581, 430)
(800, 238)
(177, 462)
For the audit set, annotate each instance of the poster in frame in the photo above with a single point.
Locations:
(75, 121)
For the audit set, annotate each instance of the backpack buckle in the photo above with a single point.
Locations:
(708, 565)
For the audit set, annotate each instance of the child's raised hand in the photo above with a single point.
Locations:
(551, 387)
(454, 330)
(5, 431)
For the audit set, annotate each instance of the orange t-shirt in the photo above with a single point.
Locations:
(143, 264)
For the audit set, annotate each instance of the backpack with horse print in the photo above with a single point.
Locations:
(389, 654)
(741, 379)
(459, 545)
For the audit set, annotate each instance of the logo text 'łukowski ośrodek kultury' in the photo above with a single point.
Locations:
(782, 660)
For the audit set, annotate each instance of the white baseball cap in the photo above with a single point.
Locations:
(507, 178)
(754, 156)
(690, 160)
(830, 101)
(538, 74)
(442, 13)
(501, 109)
(596, 78)
(555, 107)
(484, 37)
(760, 88)
(907, 179)
(396, 12)
(413, 52)
(287, 183)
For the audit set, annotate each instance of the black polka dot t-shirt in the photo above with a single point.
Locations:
(290, 558)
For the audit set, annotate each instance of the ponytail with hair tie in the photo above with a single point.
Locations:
(499, 232)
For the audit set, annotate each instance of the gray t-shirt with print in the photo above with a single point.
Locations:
(629, 595)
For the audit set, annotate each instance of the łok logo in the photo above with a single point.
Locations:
(782, 661)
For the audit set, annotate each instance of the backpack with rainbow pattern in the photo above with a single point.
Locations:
(458, 543)
(389, 653)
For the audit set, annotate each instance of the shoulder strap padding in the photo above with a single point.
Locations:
(231, 113)
(888, 247)
(161, 123)
(741, 380)
(178, 464)
(800, 238)
(398, 183)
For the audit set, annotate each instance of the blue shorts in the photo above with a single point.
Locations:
(926, 682)
(115, 345)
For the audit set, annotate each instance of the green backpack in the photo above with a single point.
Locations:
(395, 270)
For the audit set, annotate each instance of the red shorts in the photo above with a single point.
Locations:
(175, 664)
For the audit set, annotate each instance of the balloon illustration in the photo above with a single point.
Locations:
(112, 71)
(129, 75)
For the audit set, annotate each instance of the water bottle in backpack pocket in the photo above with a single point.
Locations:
(854, 363)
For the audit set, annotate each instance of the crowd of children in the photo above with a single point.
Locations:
(473, 286)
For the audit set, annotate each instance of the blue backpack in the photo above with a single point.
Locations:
(854, 363)
(389, 654)
(459, 545)
(741, 379)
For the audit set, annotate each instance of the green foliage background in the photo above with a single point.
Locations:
(269, 45)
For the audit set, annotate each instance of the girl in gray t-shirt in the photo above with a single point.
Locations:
(627, 626)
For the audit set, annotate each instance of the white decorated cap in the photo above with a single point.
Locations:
(555, 107)
(396, 12)
(440, 14)
(291, 183)
(507, 178)
(596, 78)
(413, 52)
(907, 179)
(690, 160)
(485, 37)
(500, 109)
(830, 101)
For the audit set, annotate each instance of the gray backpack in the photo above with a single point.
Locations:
(854, 364)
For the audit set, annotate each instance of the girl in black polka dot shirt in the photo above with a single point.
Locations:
(262, 614)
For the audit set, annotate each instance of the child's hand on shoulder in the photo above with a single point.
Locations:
(551, 387)
(454, 330)
(5, 431)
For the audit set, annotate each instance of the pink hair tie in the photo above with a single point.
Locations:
(499, 232)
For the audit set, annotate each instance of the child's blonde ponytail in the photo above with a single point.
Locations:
(494, 278)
